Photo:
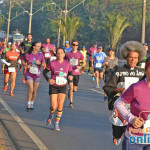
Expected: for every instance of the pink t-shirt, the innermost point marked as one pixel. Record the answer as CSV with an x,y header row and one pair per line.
x,y
138,95
74,59
35,72
91,51
59,70
47,47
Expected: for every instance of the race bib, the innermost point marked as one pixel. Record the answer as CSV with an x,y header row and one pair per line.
x,y
34,70
52,58
11,69
47,55
74,62
130,80
143,65
98,65
61,80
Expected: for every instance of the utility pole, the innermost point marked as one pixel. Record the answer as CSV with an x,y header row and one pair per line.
x,y
143,22
8,27
58,43
30,20
66,7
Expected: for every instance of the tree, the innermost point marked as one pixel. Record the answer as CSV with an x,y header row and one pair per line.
x,y
1,22
114,27
69,27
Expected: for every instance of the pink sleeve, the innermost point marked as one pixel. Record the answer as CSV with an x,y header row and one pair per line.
x,y
128,95
89,50
82,57
43,60
120,106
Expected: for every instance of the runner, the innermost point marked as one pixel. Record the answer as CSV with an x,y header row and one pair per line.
x,y
141,64
98,59
24,48
10,59
33,61
137,95
110,63
67,47
84,53
90,52
74,57
47,50
121,79
60,69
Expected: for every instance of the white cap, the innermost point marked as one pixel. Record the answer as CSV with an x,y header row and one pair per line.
x,y
9,43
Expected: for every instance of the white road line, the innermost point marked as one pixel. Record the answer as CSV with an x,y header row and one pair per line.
x,y
97,91
31,134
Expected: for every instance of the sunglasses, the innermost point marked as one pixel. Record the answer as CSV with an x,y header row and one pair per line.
x,y
74,45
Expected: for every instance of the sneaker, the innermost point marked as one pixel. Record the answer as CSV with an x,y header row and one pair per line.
x,y
28,107
5,87
93,78
56,126
48,120
11,93
31,107
105,99
97,86
82,71
116,141
24,81
71,105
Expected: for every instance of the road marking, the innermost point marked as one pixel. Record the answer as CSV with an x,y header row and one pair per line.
x,y
31,134
97,91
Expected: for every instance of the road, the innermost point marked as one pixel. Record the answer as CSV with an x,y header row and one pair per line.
x,y
85,127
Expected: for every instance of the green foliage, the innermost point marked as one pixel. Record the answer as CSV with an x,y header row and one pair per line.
x,y
1,22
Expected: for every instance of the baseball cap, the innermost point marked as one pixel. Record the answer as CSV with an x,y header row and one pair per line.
x,y
83,46
95,43
66,42
144,44
99,47
54,45
9,43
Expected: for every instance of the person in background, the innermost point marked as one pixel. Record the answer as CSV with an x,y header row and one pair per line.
x,y
67,47
84,53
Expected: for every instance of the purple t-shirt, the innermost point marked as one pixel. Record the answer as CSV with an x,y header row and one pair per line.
x,y
74,59
59,71
35,70
47,47
138,97
91,51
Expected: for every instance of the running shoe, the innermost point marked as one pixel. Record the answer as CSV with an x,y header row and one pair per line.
x,y
71,105
56,126
105,99
11,93
5,87
116,141
97,86
28,107
31,107
82,71
93,78
49,120
24,81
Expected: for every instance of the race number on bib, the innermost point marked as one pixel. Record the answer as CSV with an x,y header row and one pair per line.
x,y
52,58
47,55
130,80
11,69
34,70
61,80
74,62
98,65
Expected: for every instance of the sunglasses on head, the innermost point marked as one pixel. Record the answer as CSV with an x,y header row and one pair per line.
x,y
74,44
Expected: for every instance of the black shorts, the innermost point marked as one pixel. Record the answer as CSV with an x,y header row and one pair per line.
x,y
57,89
97,69
90,63
75,80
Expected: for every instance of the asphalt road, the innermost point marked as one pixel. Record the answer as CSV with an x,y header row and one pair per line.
x,y
85,127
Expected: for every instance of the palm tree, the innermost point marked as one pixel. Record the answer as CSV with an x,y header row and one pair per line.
x,y
69,27
114,26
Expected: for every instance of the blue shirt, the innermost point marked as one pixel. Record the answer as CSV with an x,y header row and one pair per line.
x,y
99,59
67,49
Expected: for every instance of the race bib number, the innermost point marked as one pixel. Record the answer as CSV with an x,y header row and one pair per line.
x,y
98,65
61,80
143,65
53,58
34,70
11,69
130,80
47,55
74,62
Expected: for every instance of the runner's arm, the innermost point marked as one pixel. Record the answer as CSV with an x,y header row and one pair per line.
x,y
45,71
